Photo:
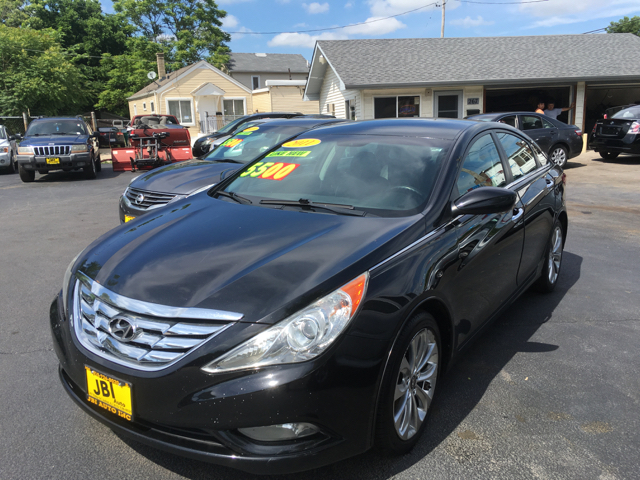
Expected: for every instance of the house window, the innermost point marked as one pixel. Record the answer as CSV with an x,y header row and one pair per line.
x,y
234,107
152,107
396,107
182,110
255,82
144,106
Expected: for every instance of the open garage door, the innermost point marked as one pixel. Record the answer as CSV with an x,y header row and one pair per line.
x,y
601,97
526,99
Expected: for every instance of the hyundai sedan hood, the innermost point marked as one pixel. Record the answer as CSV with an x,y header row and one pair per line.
x,y
184,177
208,253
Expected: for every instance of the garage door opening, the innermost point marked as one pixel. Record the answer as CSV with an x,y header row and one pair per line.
x,y
526,100
601,97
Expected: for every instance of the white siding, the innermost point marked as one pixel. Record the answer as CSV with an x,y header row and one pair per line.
x,y
330,94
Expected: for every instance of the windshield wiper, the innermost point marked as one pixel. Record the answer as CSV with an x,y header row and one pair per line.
x,y
227,160
331,207
233,196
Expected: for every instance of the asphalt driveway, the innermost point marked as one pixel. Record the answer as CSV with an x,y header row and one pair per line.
x,y
551,391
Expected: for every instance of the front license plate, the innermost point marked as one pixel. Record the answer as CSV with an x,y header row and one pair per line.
x,y
53,161
128,218
109,393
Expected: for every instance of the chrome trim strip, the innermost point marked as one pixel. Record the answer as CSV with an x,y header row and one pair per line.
x,y
155,309
409,247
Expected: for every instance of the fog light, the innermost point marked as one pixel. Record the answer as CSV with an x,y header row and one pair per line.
x,y
276,433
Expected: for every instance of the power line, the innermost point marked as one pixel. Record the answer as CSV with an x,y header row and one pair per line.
x,y
345,26
502,3
596,31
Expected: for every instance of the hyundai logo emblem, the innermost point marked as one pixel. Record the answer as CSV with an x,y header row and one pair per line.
x,y
139,199
122,329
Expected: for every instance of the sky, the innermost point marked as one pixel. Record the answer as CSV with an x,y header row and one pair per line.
x,y
463,18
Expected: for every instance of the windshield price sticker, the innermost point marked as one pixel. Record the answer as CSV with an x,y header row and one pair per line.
x,y
270,170
305,142
298,153
248,131
232,142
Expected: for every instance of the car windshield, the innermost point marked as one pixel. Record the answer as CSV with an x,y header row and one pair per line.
x,y
483,118
231,127
253,141
633,112
57,127
381,175
3,136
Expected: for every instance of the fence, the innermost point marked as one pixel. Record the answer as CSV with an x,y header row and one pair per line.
x,y
213,123
16,124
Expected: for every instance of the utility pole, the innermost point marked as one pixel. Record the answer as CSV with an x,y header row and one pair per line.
x,y
442,28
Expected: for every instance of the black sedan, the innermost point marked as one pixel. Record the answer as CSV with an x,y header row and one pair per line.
x,y
304,309
558,140
180,180
619,133
207,142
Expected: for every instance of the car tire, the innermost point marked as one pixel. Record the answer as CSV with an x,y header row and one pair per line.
x,y
405,400
559,155
552,261
90,170
13,165
98,164
26,176
609,155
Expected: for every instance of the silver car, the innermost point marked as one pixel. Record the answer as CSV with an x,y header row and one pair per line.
x,y
8,151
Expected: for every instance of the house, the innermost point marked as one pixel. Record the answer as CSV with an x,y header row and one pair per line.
x,y
283,96
204,98
254,69
456,77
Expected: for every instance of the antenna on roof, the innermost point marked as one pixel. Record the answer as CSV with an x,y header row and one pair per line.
x,y
152,75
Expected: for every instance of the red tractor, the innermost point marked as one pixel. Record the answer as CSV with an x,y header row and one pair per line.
x,y
154,140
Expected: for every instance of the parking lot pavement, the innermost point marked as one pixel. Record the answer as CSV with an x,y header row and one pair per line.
x,y
550,391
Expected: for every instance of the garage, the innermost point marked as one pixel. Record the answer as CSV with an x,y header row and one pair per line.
x,y
526,99
599,97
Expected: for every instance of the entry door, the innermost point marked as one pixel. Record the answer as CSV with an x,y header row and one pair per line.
x,y
448,104
207,109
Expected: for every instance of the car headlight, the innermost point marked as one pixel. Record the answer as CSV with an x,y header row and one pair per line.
x,y
4,149
66,280
300,337
79,148
25,150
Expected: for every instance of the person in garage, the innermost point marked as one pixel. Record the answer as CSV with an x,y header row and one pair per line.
x,y
553,112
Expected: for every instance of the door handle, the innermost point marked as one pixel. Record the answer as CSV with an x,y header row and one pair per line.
x,y
517,214
549,181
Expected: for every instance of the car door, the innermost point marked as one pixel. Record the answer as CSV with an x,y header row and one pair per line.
x,y
489,246
534,185
541,130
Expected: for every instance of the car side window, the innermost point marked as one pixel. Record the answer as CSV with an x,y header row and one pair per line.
x,y
510,120
547,124
530,122
519,154
481,167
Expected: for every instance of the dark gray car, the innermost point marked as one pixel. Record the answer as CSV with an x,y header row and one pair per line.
x,y
158,187
557,139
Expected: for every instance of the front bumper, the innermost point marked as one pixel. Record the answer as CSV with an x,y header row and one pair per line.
x,y
185,411
37,163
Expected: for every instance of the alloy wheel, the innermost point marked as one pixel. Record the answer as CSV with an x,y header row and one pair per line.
x,y
555,255
559,156
415,384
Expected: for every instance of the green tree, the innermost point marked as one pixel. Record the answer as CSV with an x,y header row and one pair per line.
x,y
625,25
127,74
12,12
190,28
37,75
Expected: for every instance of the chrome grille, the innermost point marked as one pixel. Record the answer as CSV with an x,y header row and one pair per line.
x,y
53,150
159,335
149,199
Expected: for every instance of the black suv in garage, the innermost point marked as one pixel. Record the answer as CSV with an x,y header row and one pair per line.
x,y
58,143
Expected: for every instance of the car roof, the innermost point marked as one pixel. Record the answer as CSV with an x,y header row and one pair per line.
x,y
499,114
447,129
299,121
56,118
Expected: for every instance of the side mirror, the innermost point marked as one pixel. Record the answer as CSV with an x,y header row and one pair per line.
x,y
17,136
484,200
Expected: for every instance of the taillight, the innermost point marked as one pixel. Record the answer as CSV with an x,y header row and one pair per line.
x,y
594,128
605,116
634,128
564,179
579,133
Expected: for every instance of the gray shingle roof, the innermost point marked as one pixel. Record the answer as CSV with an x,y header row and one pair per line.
x,y
272,62
483,59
